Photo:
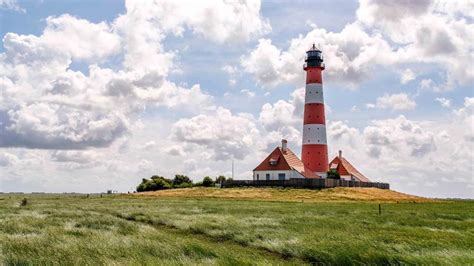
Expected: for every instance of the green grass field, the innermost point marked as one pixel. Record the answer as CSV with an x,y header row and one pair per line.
x,y
74,229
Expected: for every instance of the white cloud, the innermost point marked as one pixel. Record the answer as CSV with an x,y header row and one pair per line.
x,y
81,157
232,72
387,12
218,21
11,5
7,159
148,145
227,135
465,117
398,135
406,76
351,54
80,39
402,151
248,93
399,102
44,104
444,102
384,34
278,115
267,64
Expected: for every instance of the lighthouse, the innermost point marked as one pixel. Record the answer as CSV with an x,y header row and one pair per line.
x,y
283,164
314,153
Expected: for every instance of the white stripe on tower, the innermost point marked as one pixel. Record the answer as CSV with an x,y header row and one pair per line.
x,y
314,134
314,93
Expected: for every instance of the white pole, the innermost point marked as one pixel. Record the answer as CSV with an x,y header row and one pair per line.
x,y
232,169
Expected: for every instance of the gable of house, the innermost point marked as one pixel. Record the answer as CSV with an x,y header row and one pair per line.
x,y
344,167
284,160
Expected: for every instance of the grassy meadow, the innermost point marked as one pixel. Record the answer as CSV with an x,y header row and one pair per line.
x,y
178,230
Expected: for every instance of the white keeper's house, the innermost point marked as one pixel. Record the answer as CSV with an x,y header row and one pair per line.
x,y
283,164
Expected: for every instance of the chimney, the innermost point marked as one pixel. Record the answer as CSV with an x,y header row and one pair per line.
x,y
283,144
340,154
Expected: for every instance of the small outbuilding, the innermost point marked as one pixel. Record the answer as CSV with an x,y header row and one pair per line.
x,y
346,170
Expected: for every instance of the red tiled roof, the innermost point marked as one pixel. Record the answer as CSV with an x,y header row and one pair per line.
x,y
290,162
344,167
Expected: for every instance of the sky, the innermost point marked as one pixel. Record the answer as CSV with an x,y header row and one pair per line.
x,y
96,95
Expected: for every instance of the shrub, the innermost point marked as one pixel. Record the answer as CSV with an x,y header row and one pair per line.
x,y
181,179
220,179
333,174
207,182
23,202
154,183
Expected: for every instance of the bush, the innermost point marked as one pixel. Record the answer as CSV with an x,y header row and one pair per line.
x,y
179,180
220,179
154,183
333,174
207,182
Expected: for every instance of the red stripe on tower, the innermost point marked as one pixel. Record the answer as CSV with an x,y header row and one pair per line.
x,y
314,153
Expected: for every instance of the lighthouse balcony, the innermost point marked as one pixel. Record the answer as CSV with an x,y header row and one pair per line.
x,y
311,64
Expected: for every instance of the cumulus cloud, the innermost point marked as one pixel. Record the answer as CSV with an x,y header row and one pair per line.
x,y
226,134
45,104
11,5
385,33
81,157
399,102
248,93
465,117
444,102
398,135
145,25
8,159
351,54
84,41
74,159
406,76
371,11
232,72
218,21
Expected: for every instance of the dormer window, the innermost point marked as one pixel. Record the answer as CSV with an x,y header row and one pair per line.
x,y
274,160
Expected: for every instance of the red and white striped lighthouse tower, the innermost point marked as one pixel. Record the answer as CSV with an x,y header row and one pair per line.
x,y
314,153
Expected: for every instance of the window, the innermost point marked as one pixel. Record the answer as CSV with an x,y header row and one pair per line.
x,y
257,176
267,176
281,176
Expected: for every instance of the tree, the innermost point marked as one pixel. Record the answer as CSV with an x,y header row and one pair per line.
x,y
333,174
220,179
207,182
154,183
182,181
